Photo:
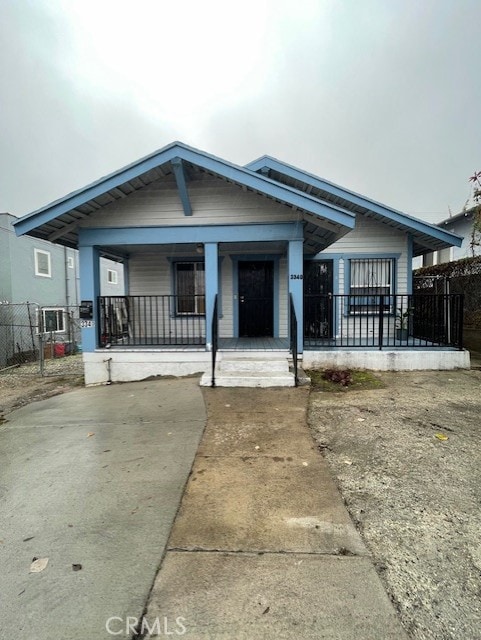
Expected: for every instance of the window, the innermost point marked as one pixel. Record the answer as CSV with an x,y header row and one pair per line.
x,y
190,287
111,276
42,263
70,262
52,321
369,279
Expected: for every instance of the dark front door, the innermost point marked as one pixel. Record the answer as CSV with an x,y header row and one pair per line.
x,y
318,301
256,298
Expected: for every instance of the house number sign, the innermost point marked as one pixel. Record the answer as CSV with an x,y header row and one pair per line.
x,y
296,276
87,324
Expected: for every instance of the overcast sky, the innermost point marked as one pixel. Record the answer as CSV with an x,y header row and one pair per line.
x,y
380,96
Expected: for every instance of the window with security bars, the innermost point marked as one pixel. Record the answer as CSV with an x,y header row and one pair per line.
x,y
190,288
371,278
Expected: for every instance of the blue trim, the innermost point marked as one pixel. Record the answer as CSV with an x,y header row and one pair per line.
x,y
187,234
211,251
295,266
126,264
89,259
391,214
277,309
372,256
348,255
336,271
179,173
236,258
409,284
235,173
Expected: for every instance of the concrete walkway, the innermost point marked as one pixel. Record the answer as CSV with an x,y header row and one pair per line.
x,y
94,478
262,546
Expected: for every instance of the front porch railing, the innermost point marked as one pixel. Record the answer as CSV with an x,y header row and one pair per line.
x,y
151,320
383,321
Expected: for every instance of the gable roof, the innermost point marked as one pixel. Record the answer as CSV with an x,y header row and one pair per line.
x,y
464,215
426,236
58,221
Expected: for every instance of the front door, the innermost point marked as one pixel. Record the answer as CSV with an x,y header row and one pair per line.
x,y
318,303
256,298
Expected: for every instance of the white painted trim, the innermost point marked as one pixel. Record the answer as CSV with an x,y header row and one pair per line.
x,y
112,276
36,253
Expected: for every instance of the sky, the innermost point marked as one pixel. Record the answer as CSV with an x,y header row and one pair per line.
x,y
380,96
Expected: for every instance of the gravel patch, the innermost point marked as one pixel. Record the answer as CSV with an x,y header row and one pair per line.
x,y
22,385
407,461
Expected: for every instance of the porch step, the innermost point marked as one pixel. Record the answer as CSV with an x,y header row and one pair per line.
x,y
234,365
250,371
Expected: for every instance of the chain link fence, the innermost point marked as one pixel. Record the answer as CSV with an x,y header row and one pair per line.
x,y
38,339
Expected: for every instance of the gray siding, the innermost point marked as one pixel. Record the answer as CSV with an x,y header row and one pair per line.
x,y
150,273
5,264
18,269
107,288
150,270
214,201
19,282
373,238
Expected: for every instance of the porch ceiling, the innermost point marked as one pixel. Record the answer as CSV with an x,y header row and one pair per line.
x,y
59,221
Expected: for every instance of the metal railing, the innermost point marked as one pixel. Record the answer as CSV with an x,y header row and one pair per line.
x,y
383,321
215,339
151,320
293,338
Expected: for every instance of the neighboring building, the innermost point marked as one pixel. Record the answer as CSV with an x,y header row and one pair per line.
x,y
46,275
226,258
38,271
34,270
462,225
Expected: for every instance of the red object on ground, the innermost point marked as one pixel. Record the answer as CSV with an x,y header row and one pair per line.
x,y
59,349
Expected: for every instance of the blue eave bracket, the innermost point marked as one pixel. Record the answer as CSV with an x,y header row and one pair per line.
x,y
180,178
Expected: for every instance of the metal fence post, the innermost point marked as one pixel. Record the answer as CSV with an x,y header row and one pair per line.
x,y
381,321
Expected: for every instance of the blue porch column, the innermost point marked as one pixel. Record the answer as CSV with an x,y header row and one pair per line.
x,y
211,255
295,276
89,258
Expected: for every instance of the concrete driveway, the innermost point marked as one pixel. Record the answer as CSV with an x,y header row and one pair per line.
x,y
91,478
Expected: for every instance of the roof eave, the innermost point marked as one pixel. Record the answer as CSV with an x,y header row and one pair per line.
x,y
240,175
405,221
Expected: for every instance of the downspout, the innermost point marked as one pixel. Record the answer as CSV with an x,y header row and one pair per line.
x,y
65,262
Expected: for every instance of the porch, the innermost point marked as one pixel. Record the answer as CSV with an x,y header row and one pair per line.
x,y
407,321
141,336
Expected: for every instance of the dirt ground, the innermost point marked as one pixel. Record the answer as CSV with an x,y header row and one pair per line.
x,y
22,385
408,463
407,460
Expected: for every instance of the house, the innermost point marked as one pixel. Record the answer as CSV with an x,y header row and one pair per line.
x,y
462,225
45,275
232,269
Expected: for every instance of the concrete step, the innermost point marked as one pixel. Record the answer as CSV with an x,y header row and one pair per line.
x,y
249,379
251,370
232,365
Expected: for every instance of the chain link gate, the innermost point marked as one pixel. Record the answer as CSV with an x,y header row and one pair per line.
x,y
43,340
